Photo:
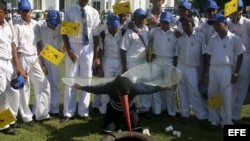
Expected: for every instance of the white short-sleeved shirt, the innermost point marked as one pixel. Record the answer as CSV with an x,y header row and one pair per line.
x,y
111,44
50,36
74,14
207,30
189,49
163,43
133,45
6,38
27,36
242,29
223,51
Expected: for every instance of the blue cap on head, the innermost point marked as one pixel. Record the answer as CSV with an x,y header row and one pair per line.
x,y
53,17
18,82
140,13
210,4
113,20
185,4
166,17
24,5
217,18
240,4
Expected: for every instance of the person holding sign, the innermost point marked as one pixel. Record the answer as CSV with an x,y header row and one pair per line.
x,y
225,54
79,57
240,26
10,66
27,38
50,34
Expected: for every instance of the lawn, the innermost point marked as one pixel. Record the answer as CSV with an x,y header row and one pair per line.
x,y
79,130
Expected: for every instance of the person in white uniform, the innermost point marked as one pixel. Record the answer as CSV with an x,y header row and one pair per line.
x,y
225,54
79,57
240,26
163,47
109,43
190,49
9,97
134,48
50,34
27,39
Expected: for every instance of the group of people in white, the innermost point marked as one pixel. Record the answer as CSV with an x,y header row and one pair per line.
x,y
214,52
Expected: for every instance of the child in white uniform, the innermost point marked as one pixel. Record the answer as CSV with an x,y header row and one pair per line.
x,y
163,48
27,39
222,50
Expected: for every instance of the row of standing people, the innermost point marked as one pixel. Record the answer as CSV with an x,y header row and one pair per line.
x,y
82,54
186,45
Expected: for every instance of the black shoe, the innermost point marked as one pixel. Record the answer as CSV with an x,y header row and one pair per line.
x,y
56,115
86,118
31,123
185,120
16,125
65,119
9,131
146,115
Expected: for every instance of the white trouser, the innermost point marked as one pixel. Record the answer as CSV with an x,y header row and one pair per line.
x,y
9,97
54,79
41,90
189,93
111,67
83,69
165,99
220,82
142,101
240,87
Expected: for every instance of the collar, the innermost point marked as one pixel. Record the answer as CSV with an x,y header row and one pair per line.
x,y
193,34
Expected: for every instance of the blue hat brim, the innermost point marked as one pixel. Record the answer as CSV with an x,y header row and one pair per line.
x,y
54,21
18,82
114,24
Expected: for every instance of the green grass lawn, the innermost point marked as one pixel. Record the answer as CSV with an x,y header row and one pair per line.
x,y
79,130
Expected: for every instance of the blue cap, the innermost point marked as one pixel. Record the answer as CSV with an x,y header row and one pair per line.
x,y
24,5
210,4
166,17
140,13
18,82
185,4
113,20
53,17
240,4
217,18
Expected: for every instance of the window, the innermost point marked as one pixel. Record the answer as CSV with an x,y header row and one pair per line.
x,y
37,4
107,5
97,5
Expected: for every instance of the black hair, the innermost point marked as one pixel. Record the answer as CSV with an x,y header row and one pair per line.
x,y
3,5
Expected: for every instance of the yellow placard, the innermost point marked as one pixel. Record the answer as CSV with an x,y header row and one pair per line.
x,y
52,54
215,101
123,7
231,7
6,117
70,28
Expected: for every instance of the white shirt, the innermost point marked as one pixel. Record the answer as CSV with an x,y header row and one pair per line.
x,y
74,14
207,30
133,45
111,44
223,51
27,36
7,36
242,29
163,43
52,37
189,49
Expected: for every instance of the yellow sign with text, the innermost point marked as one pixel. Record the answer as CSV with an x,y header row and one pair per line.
x,y
215,101
6,117
123,7
52,54
231,7
70,28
